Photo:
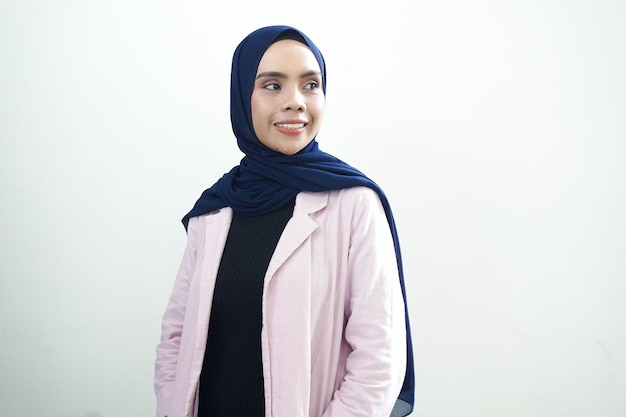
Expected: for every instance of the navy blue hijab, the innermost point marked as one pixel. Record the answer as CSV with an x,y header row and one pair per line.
x,y
266,180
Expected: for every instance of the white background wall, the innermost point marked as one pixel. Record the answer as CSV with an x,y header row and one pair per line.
x,y
495,127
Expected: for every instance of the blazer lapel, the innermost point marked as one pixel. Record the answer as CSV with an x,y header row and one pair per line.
x,y
298,229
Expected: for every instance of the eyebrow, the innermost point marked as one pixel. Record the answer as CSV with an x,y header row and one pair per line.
x,y
277,74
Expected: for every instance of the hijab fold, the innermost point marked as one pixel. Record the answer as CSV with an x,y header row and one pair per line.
x,y
265,179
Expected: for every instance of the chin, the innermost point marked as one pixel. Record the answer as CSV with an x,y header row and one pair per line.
x,y
291,150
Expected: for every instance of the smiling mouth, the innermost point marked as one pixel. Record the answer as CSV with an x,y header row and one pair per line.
x,y
290,125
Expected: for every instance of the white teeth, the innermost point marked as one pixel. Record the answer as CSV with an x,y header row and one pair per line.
x,y
290,125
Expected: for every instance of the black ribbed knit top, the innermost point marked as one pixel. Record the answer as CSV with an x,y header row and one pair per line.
x,y
231,381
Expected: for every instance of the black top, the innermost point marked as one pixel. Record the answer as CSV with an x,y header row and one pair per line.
x,y
231,381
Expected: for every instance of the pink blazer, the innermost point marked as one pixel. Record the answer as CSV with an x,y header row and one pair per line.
x,y
333,339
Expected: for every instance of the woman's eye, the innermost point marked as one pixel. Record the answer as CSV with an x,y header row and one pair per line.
x,y
272,86
312,85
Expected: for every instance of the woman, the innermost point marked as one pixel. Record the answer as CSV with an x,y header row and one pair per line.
x,y
290,299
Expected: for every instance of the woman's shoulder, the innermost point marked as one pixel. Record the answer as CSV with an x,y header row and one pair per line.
x,y
354,201
358,194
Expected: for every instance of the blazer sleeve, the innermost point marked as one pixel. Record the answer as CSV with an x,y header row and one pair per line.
x,y
375,320
172,324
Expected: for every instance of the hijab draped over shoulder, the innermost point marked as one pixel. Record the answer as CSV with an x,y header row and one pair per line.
x,y
265,179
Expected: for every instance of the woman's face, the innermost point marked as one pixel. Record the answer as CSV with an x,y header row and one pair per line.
x,y
287,100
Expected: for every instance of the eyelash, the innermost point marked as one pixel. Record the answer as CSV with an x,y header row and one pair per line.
x,y
315,85
270,86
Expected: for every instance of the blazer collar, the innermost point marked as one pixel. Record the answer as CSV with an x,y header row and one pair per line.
x,y
299,227
297,230
310,202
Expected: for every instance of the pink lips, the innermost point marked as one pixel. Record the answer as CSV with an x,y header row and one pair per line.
x,y
291,127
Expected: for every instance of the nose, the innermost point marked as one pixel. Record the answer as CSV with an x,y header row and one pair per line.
x,y
294,100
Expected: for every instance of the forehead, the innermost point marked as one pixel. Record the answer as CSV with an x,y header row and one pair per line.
x,y
288,54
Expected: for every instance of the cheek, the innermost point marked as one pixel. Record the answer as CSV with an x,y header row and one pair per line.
x,y
319,107
261,117
258,114
261,106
